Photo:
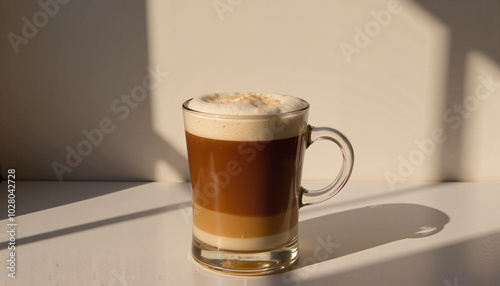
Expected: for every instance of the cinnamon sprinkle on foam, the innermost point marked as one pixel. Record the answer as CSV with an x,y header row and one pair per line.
x,y
256,99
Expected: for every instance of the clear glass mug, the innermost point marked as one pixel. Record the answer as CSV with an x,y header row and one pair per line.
x,y
245,179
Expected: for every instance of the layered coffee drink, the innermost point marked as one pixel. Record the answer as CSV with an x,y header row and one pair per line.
x,y
245,154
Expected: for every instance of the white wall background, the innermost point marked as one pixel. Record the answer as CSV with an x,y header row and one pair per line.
x,y
415,85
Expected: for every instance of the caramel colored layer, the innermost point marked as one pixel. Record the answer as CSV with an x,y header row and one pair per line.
x,y
227,225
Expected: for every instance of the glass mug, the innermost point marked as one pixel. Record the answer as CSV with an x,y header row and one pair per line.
x,y
245,180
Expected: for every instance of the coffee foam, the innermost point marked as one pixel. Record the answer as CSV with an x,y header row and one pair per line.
x,y
257,117
236,103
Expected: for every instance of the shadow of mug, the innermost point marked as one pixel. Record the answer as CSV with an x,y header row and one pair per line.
x,y
339,234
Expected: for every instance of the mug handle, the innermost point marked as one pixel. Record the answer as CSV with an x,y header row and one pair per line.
x,y
311,197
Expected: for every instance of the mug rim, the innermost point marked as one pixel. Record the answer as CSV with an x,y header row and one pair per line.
x,y
186,108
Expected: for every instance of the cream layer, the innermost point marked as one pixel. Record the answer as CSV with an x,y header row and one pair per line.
x,y
246,244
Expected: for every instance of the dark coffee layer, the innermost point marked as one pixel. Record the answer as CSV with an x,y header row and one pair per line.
x,y
245,178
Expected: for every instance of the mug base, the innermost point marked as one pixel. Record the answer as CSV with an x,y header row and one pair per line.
x,y
245,262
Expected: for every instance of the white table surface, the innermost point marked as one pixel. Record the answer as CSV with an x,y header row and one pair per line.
x,y
126,233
